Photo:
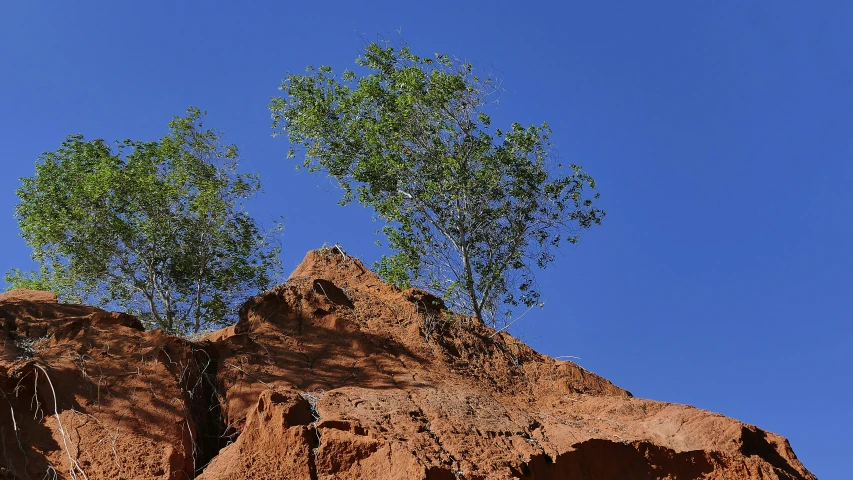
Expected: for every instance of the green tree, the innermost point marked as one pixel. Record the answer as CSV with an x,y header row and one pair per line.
x,y
470,209
158,228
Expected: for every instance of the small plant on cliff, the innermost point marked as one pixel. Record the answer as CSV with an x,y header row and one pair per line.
x,y
155,227
470,209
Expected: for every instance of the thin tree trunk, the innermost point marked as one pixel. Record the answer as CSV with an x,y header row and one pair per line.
x,y
466,260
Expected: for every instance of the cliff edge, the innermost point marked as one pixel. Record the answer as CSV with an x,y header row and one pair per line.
x,y
336,375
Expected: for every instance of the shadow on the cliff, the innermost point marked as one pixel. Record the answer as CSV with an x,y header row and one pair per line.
x,y
599,459
755,443
36,319
309,353
104,385
20,435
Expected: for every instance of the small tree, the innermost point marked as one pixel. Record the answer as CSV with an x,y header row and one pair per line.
x,y
469,209
155,227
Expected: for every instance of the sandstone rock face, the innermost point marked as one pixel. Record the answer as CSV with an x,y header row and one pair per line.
x,y
336,375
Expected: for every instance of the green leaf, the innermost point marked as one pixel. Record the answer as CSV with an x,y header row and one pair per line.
x,y
469,211
157,228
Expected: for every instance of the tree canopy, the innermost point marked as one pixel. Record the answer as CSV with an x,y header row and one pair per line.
x,y
156,227
470,210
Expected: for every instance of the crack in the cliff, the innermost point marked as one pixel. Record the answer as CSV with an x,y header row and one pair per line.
x,y
455,465
203,406
312,463
312,399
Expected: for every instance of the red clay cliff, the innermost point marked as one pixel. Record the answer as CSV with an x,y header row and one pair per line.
x,y
336,375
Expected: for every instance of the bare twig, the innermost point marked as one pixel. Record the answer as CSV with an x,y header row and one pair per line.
x,y
517,319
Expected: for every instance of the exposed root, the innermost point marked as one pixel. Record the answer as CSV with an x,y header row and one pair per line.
x,y
17,438
74,467
248,374
312,399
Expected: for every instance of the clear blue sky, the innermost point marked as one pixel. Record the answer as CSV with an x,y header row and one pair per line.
x,y
719,134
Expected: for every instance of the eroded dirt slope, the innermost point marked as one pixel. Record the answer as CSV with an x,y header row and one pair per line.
x,y
336,375
86,393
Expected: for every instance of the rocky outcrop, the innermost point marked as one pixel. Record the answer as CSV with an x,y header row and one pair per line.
x,y
336,375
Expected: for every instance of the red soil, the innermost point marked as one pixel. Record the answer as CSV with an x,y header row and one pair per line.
x,y
336,375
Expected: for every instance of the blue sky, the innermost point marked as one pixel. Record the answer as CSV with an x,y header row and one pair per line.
x,y
718,133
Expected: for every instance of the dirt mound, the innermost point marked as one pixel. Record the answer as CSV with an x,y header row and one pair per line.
x,y
336,375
